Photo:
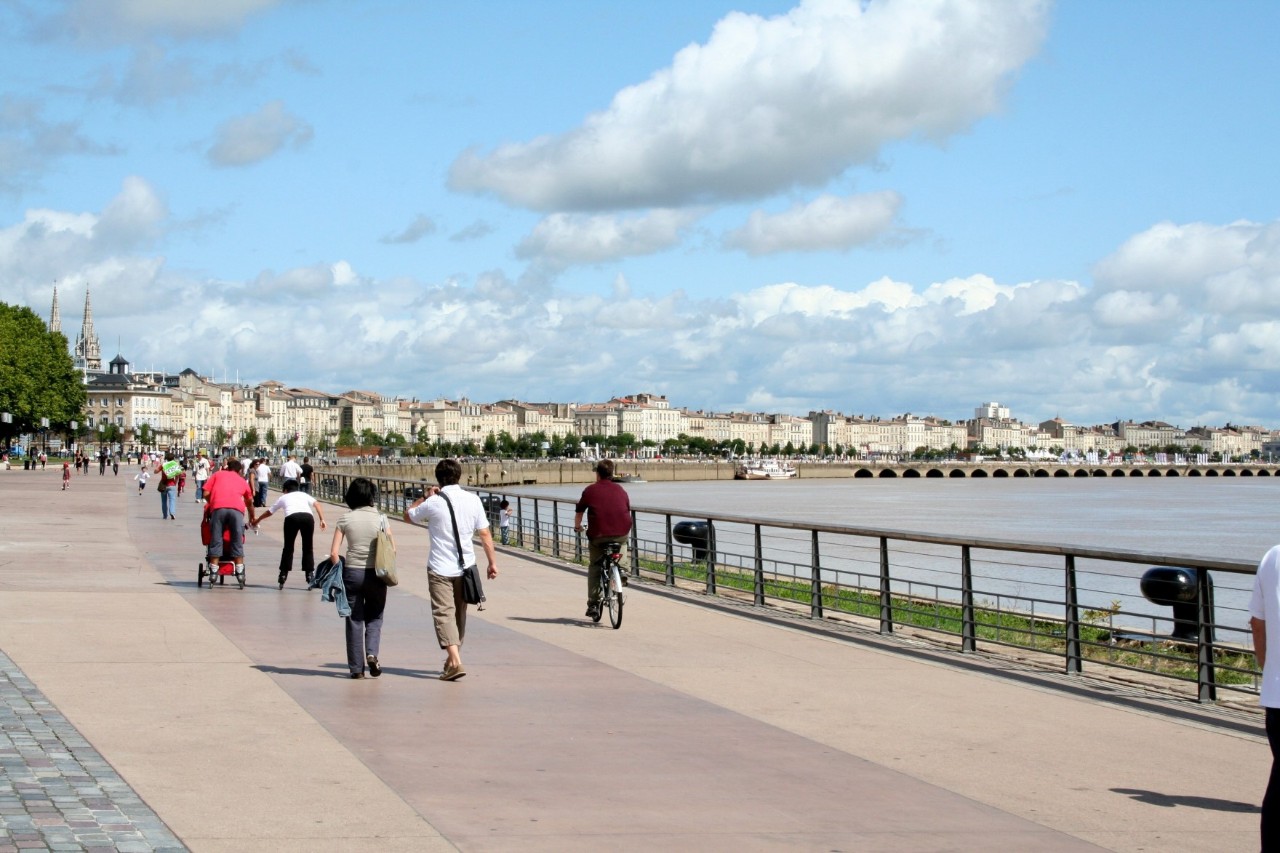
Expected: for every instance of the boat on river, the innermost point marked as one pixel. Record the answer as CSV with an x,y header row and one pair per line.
x,y
764,469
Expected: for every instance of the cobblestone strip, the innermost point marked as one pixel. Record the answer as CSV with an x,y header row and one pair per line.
x,y
56,791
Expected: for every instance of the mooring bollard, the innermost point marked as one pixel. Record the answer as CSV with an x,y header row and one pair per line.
x,y
695,534
1174,587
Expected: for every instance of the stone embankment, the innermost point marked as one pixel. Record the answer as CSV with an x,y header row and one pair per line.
x,y
511,472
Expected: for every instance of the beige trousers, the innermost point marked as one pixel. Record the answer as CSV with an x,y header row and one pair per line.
x,y
448,609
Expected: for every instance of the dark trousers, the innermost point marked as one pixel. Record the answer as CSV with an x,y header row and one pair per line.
x,y
1271,801
295,523
368,598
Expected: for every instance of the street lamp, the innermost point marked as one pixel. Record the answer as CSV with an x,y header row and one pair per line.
x,y
75,426
44,435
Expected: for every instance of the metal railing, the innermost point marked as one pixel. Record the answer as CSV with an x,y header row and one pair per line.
x,y
1080,606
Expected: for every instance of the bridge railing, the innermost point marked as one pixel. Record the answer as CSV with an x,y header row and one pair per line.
x,y
1073,608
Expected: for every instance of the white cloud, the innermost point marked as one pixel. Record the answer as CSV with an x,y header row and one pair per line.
x,y
563,240
248,139
421,226
101,21
770,103
826,223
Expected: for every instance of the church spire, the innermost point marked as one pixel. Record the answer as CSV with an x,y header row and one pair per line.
x,y
88,356
55,319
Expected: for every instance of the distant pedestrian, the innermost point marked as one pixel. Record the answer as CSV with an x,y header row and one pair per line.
x,y
202,474
264,481
304,480
66,475
142,477
504,520
115,466
168,487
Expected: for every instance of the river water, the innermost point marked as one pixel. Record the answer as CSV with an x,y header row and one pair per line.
x,y
1231,518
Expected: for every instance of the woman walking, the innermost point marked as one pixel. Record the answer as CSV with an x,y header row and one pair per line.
x,y
366,594
168,489
453,516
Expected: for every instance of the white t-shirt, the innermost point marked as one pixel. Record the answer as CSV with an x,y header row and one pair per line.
x,y
290,470
1264,604
443,559
292,502
264,473
202,469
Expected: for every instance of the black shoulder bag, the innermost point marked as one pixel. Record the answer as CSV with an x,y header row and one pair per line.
x,y
472,590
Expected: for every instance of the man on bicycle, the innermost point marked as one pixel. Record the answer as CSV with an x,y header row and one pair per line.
x,y
608,512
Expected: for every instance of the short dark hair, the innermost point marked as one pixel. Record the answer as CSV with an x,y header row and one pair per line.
x,y
448,472
504,504
604,469
290,485
234,464
361,492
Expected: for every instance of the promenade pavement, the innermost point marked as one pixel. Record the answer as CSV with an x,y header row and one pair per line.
x,y
143,713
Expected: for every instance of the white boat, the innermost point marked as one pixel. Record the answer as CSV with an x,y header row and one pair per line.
x,y
764,469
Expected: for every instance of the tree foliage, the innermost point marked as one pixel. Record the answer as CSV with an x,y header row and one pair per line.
x,y
37,377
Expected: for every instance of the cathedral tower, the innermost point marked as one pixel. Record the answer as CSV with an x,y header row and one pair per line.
x,y
55,319
88,355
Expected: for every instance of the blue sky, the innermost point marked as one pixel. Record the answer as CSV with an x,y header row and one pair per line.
x,y
875,208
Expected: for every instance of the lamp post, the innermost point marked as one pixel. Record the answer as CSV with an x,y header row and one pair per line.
x,y
75,426
44,436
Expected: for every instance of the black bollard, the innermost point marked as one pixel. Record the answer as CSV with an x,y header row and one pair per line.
x,y
1174,587
695,534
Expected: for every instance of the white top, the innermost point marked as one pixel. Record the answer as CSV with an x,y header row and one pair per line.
x,y
202,468
264,473
1264,604
290,470
292,502
443,559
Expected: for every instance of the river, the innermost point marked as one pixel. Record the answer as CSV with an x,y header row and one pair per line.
x,y
1218,518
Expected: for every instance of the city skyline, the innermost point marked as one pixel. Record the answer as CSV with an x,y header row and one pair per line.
x,y
767,206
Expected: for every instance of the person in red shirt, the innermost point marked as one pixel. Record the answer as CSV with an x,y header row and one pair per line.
x,y
608,511
227,499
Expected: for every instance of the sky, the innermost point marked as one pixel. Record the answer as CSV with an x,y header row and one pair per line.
x,y
873,207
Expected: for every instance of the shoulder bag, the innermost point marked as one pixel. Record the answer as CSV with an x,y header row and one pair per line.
x,y
384,555
472,589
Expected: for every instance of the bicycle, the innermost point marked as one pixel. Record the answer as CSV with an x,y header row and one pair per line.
x,y
611,583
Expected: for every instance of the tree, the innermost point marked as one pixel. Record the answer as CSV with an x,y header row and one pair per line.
x,y
220,438
271,438
394,439
347,438
145,436
369,437
249,438
37,377
491,444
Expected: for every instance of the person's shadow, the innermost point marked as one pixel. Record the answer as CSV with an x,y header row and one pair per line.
x,y
338,670
559,620
1169,801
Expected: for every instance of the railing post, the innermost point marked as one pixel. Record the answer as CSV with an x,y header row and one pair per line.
x,y
759,568
519,521
670,579
969,629
555,529
711,557
1075,663
635,543
815,578
886,596
537,528
1205,677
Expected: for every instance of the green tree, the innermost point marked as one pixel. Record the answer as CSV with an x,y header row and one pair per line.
x,y
271,438
347,438
145,435
491,444
249,438
394,439
37,377
220,438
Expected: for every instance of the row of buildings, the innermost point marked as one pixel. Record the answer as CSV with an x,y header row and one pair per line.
x,y
187,411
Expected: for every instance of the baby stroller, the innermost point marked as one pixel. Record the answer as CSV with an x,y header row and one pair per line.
x,y
226,567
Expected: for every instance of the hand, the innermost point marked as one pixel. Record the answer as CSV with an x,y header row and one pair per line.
x,y
323,525
493,571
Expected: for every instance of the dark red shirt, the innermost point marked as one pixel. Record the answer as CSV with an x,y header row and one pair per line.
x,y
608,509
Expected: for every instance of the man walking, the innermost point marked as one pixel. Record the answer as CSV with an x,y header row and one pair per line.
x,y
608,510
1264,613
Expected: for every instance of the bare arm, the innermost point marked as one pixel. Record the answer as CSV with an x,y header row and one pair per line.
x,y
490,553
335,545
577,521
315,505
1259,627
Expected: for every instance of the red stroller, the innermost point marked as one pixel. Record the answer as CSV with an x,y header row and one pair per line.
x,y
226,567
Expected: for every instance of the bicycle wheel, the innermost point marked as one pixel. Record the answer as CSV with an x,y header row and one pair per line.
x,y
614,601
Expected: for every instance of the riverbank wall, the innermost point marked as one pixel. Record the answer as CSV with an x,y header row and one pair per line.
x,y
511,472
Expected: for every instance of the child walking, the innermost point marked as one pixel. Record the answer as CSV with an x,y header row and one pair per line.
x,y
66,475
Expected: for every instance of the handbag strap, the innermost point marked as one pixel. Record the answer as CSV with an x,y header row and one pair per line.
x,y
457,540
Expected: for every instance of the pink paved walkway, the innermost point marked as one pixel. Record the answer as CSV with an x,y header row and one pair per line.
x,y
230,713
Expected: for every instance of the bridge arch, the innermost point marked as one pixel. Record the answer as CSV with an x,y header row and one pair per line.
x,y
1062,472
889,473
978,473
957,472
911,474
934,472
862,474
